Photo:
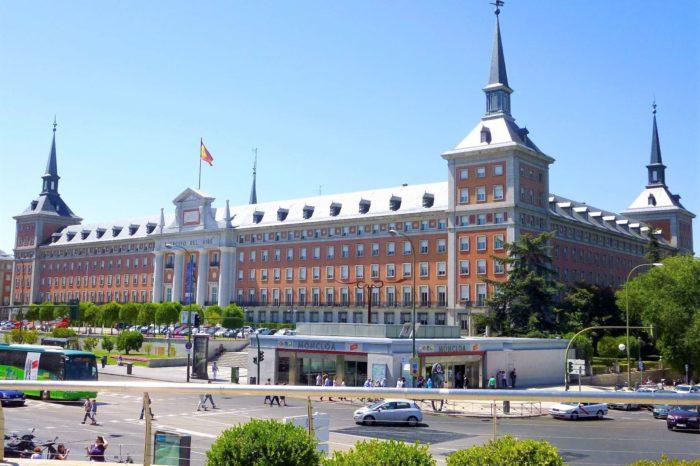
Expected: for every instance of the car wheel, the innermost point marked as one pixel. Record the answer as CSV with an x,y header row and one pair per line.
x,y
368,420
599,414
574,416
412,421
45,395
669,427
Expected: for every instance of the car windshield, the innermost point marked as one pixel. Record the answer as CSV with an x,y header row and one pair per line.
x,y
685,408
81,368
376,405
570,403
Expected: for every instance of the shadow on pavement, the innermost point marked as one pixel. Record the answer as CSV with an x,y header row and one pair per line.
x,y
420,434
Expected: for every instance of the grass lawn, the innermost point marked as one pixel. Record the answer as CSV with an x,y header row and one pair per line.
x,y
112,357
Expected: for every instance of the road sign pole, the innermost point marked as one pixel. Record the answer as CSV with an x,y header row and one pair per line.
x,y
579,378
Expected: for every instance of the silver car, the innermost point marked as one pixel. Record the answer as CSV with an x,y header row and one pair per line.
x,y
390,410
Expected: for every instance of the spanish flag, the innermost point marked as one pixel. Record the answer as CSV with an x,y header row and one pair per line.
x,y
204,153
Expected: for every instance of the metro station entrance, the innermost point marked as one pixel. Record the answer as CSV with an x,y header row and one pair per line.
x,y
449,371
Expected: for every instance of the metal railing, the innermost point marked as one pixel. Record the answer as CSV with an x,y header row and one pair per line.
x,y
530,399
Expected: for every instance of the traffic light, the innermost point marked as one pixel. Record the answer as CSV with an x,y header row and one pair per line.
x,y
197,319
261,356
571,367
255,361
74,309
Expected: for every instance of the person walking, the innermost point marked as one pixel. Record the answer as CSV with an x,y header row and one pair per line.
x,y
87,407
465,382
268,397
283,398
492,382
400,382
93,412
150,412
202,402
208,396
214,369
429,383
513,376
319,380
328,383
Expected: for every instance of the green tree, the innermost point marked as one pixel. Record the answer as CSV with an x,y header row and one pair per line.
x,y
91,313
90,343
186,309
264,442
109,315
583,344
129,312
46,311
381,453
32,313
586,305
107,344
212,314
60,311
129,340
654,253
607,347
147,314
508,451
524,304
168,313
232,316
28,337
668,298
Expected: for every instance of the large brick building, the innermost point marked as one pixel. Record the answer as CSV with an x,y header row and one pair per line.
x,y
300,260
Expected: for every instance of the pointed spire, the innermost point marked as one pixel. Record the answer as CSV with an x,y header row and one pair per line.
x,y
498,74
253,192
497,90
50,177
656,168
227,216
162,220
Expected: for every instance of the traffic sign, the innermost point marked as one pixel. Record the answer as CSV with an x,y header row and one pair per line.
x,y
576,366
188,345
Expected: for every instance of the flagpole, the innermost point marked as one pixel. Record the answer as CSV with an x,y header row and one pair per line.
x,y
199,183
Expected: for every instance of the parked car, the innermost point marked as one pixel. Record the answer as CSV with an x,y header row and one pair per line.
x,y
660,411
574,411
390,410
683,417
282,331
684,388
12,398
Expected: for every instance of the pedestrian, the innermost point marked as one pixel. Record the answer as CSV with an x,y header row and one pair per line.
x,y
283,398
465,382
96,451
513,376
119,360
87,407
268,397
143,410
61,452
319,380
37,455
214,369
93,412
459,380
210,398
328,383
342,384
504,380
400,382
202,402
419,382
429,383
492,382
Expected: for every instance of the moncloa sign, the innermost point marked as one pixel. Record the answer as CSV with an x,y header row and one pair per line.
x,y
448,348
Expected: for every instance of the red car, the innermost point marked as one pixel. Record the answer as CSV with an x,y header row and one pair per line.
x,y
63,323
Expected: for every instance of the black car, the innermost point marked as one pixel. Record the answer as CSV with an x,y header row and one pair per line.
x,y
11,397
683,418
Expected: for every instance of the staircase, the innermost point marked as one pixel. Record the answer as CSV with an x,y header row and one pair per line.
x,y
232,359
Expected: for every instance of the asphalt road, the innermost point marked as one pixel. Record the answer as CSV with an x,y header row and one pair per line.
x,y
620,439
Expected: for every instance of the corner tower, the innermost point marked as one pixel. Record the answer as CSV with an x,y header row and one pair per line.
x,y
657,206
46,215
498,188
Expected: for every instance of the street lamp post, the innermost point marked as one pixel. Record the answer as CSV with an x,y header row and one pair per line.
x,y
627,316
188,302
413,295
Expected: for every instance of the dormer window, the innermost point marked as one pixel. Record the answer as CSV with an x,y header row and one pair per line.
x,y
395,203
100,232
282,214
485,135
70,235
364,206
55,237
150,228
428,200
84,234
335,209
308,211
116,231
34,204
651,200
258,216
133,229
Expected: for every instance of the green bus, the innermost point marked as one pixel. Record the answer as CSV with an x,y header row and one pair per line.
x,y
36,362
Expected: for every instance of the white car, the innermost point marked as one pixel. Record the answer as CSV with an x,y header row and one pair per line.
x,y
687,388
573,410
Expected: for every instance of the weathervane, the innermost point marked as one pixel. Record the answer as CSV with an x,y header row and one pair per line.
x,y
653,107
498,4
54,123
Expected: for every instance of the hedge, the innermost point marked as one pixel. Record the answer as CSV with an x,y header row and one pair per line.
x,y
665,461
382,453
508,451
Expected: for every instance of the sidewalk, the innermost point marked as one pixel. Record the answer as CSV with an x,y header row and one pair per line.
x,y
518,409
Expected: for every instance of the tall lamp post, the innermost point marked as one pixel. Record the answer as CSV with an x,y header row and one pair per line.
x,y
188,301
413,274
627,316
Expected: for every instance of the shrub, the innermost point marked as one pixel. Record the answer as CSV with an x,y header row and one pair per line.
x,y
383,453
7,338
232,316
172,352
148,348
607,347
264,442
63,333
107,344
665,461
507,451
129,340
18,335
167,313
90,343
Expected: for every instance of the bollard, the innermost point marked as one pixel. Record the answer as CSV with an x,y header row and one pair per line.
x,y
495,429
129,367
234,375
310,416
147,433
506,407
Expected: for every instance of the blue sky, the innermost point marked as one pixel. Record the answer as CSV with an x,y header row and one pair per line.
x,y
346,95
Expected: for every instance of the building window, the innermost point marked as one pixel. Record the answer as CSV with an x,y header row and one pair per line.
x,y
481,294
374,271
497,170
423,268
498,242
360,250
464,267
464,243
359,271
390,248
481,243
481,172
481,194
498,192
422,318
464,220
390,271
313,316
441,246
343,317
464,174
329,272
440,318
406,270
406,248
375,249
424,294
405,317
499,217
481,219
317,252
441,296
441,269
407,296
345,251
423,248
302,273
498,267
464,195
481,267
464,293
389,318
